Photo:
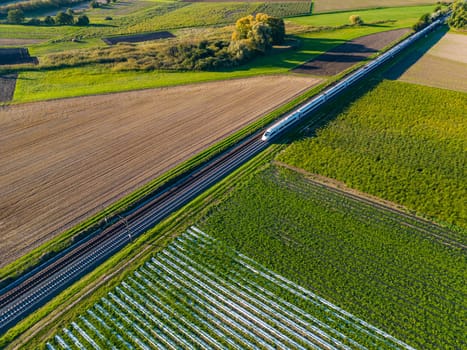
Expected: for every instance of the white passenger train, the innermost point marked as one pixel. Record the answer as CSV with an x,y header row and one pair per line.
x,y
317,101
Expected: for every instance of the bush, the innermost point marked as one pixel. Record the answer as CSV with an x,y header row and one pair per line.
x,y
64,18
15,16
49,21
82,20
356,20
34,22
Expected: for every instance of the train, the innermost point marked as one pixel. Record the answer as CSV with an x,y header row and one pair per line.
x,y
293,117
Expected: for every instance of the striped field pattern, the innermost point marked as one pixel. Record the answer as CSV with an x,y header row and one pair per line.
x,y
200,294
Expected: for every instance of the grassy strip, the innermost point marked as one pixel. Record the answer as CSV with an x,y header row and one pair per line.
x,y
24,335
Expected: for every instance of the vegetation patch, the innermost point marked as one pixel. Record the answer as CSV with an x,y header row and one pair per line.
x,y
401,142
394,271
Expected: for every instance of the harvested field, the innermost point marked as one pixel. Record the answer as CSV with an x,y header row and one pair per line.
x,y
16,56
7,87
444,65
138,38
19,42
346,55
320,6
63,160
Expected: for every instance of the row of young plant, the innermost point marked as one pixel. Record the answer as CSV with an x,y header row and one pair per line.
x,y
197,293
390,273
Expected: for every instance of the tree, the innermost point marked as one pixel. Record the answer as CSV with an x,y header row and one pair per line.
x,y
82,20
356,20
260,35
64,18
49,21
458,17
262,30
15,16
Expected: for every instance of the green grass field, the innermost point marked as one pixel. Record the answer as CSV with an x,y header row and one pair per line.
x,y
320,6
401,142
384,268
406,15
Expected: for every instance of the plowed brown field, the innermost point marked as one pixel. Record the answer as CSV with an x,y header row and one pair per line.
x,y
62,160
443,66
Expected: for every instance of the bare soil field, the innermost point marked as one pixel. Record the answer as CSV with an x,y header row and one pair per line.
x,y
444,65
16,55
19,42
321,6
138,38
346,55
63,160
7,87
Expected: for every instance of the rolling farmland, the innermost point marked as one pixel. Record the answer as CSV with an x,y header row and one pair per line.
x,y
63,160
447,63
198,293
399,273
402,142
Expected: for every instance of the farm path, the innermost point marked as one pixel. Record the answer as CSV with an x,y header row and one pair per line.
x,y
63,160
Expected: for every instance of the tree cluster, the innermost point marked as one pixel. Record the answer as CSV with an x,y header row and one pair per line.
x,y
458,17
428,18
16,16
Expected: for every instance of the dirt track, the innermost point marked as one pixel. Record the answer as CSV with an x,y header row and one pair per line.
x,y
63,160
346,55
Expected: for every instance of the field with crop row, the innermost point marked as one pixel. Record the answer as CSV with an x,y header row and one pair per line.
x,y
399,273
402,142
198,293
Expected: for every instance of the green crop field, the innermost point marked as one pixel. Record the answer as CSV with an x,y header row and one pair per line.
x,y
339,5
401,142
403,275
408,15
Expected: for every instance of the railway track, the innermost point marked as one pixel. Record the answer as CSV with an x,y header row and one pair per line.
x,y
27,295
